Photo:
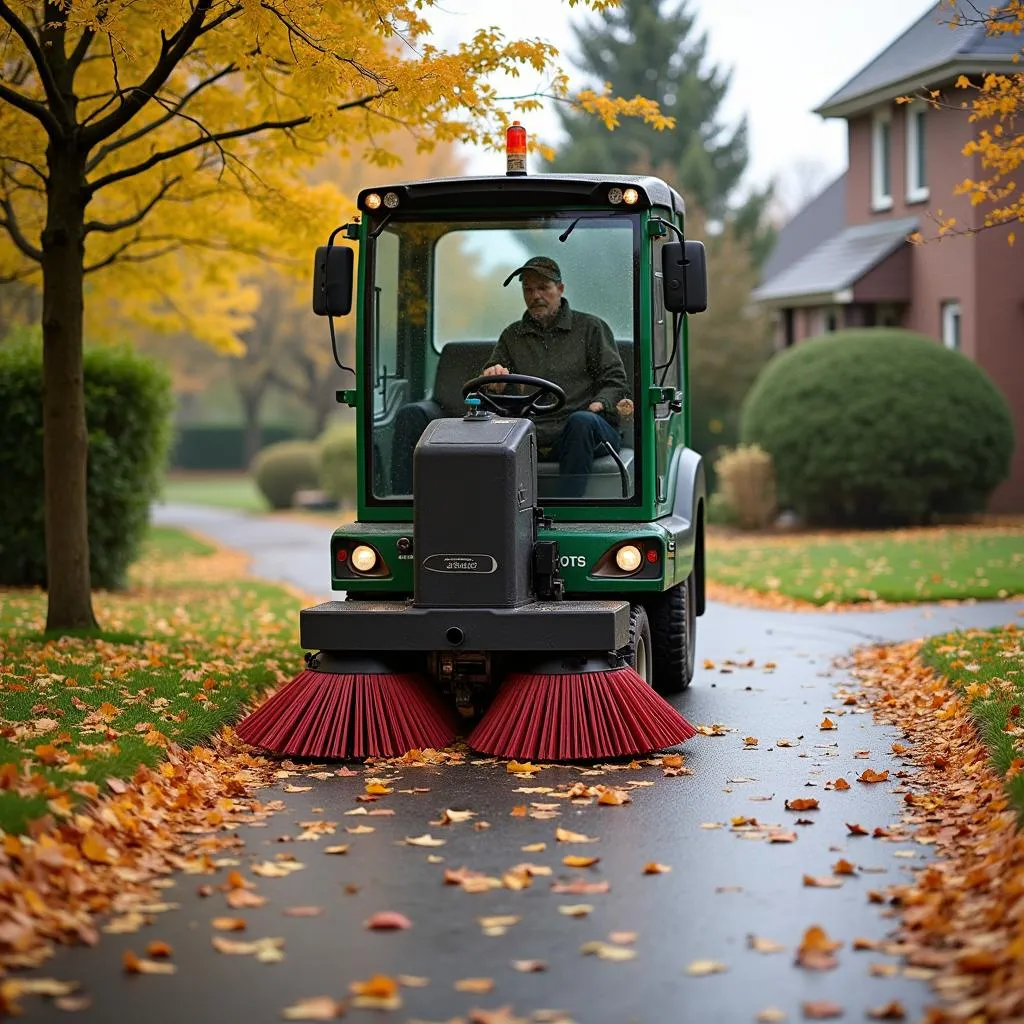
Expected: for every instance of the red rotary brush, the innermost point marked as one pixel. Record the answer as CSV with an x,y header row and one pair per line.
x,y
580,716
343,708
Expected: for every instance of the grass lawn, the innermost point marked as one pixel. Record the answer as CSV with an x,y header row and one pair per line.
x,y
223,491
905,565
987,668
182,651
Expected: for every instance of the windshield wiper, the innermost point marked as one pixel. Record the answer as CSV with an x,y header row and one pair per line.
x,y
569,230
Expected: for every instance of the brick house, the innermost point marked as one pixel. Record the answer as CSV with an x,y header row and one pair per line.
x,y
844,260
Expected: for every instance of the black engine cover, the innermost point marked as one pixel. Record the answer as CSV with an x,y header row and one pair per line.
x,y
474,495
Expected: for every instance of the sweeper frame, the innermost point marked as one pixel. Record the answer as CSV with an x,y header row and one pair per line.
x,y
480,574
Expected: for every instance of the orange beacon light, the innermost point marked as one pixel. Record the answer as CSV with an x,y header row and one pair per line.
x,y
515,149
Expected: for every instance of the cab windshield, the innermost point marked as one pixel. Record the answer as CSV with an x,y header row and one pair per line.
x,y
440,314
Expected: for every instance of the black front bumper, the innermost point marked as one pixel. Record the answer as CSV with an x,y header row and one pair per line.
x,y
381,626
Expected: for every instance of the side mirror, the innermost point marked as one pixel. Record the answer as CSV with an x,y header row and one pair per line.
x,y
685,269
332,280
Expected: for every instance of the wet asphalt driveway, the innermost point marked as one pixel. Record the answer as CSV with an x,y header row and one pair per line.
x,y
724,885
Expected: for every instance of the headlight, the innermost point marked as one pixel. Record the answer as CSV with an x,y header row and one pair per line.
x,y
364,558
628,558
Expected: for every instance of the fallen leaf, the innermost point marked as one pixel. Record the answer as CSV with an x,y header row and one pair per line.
x,y
387,920
377,993
337,849
521,768
563,835
534,848
700,968
425,840
607,951
291,788
654,868
239,898
575,861
412,981
580,887
450,817
575,909
892,1010
816,950
872,776
613,797
623,938
377,788
771,1015
760,945
750,741
823,881
229,924
479,986
314,1008
802,804
276,869
96,850
827,724
303,911
134,965
821,1009
856,830
840,784
159,950
782,837
360,830
843,867
529,966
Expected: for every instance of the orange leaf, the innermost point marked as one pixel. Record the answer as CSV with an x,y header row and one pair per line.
x,y
822,882
387,920
891,1011
872,776
827,723
803,804
95,849
613,797
479,986
750,741
572,861
654,868
843,867
158,949
229,924
821,1009
840,784
856,830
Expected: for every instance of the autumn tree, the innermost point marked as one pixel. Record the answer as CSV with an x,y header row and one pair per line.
x,y
135,132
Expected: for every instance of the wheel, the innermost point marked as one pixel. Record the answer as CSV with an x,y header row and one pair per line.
x,y
639,649
673,618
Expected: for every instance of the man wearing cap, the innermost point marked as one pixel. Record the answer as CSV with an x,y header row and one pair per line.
x,y
576,351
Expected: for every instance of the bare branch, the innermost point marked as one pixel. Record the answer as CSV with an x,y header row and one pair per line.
x,y
135,218
172,50
33,107
57,107
10,222
4,158
172,111
216,138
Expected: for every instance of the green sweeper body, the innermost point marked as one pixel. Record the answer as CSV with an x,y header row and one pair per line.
x,y
474,560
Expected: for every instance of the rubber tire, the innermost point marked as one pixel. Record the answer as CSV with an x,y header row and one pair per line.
x,y
673,618
639,635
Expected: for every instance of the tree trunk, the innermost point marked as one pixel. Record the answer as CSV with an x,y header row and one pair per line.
x,y
253,437
65,439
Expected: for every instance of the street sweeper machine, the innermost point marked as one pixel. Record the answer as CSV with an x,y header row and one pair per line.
x,y
527,559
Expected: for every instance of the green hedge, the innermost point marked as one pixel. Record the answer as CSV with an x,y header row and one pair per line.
x,y
879,427
338,464
219,446
128,413
284,468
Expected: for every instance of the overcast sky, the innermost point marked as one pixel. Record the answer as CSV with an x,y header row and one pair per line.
x,y
787,56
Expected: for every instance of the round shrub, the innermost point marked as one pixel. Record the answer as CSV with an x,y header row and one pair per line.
x,y
879,427
128,408
338,464
286,467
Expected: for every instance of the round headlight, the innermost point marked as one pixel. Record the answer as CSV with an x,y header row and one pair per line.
x,y
615,196
630,196
372,201
390,200
364,558
628,558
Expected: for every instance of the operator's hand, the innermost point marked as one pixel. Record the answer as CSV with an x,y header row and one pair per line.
x,y
624,407
495,370
596,406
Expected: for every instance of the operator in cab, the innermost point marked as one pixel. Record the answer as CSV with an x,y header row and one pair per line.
x,y
576,351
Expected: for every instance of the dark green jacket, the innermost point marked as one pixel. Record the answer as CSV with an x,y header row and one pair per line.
x,y
577,352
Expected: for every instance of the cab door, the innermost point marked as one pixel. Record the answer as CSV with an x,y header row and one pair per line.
x,y
667,421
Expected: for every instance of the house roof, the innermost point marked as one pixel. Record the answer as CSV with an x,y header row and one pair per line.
x,y
823,217
834,266
927,54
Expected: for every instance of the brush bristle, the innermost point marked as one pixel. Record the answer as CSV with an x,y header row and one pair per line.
x,y
333,715
580,717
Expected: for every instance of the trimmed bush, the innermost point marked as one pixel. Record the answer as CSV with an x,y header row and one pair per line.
x,y
128,407
338,464
284,468
219,446
746,480
879,427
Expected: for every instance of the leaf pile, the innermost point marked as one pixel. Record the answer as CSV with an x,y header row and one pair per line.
x,y
963,915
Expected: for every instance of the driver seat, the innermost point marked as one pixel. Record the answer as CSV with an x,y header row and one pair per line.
x,y
460,361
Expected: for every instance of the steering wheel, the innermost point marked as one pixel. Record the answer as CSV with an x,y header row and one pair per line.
x,y
516,405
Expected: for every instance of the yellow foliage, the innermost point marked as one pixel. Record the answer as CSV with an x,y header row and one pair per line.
x,y
997,106
192,128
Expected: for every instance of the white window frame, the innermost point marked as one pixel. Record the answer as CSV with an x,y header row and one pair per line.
x,y
880,200
952,325
917,191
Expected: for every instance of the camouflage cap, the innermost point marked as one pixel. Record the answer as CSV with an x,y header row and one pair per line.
x,y
543,265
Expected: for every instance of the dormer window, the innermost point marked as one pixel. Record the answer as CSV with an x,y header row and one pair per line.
x,y
881,160
917,174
